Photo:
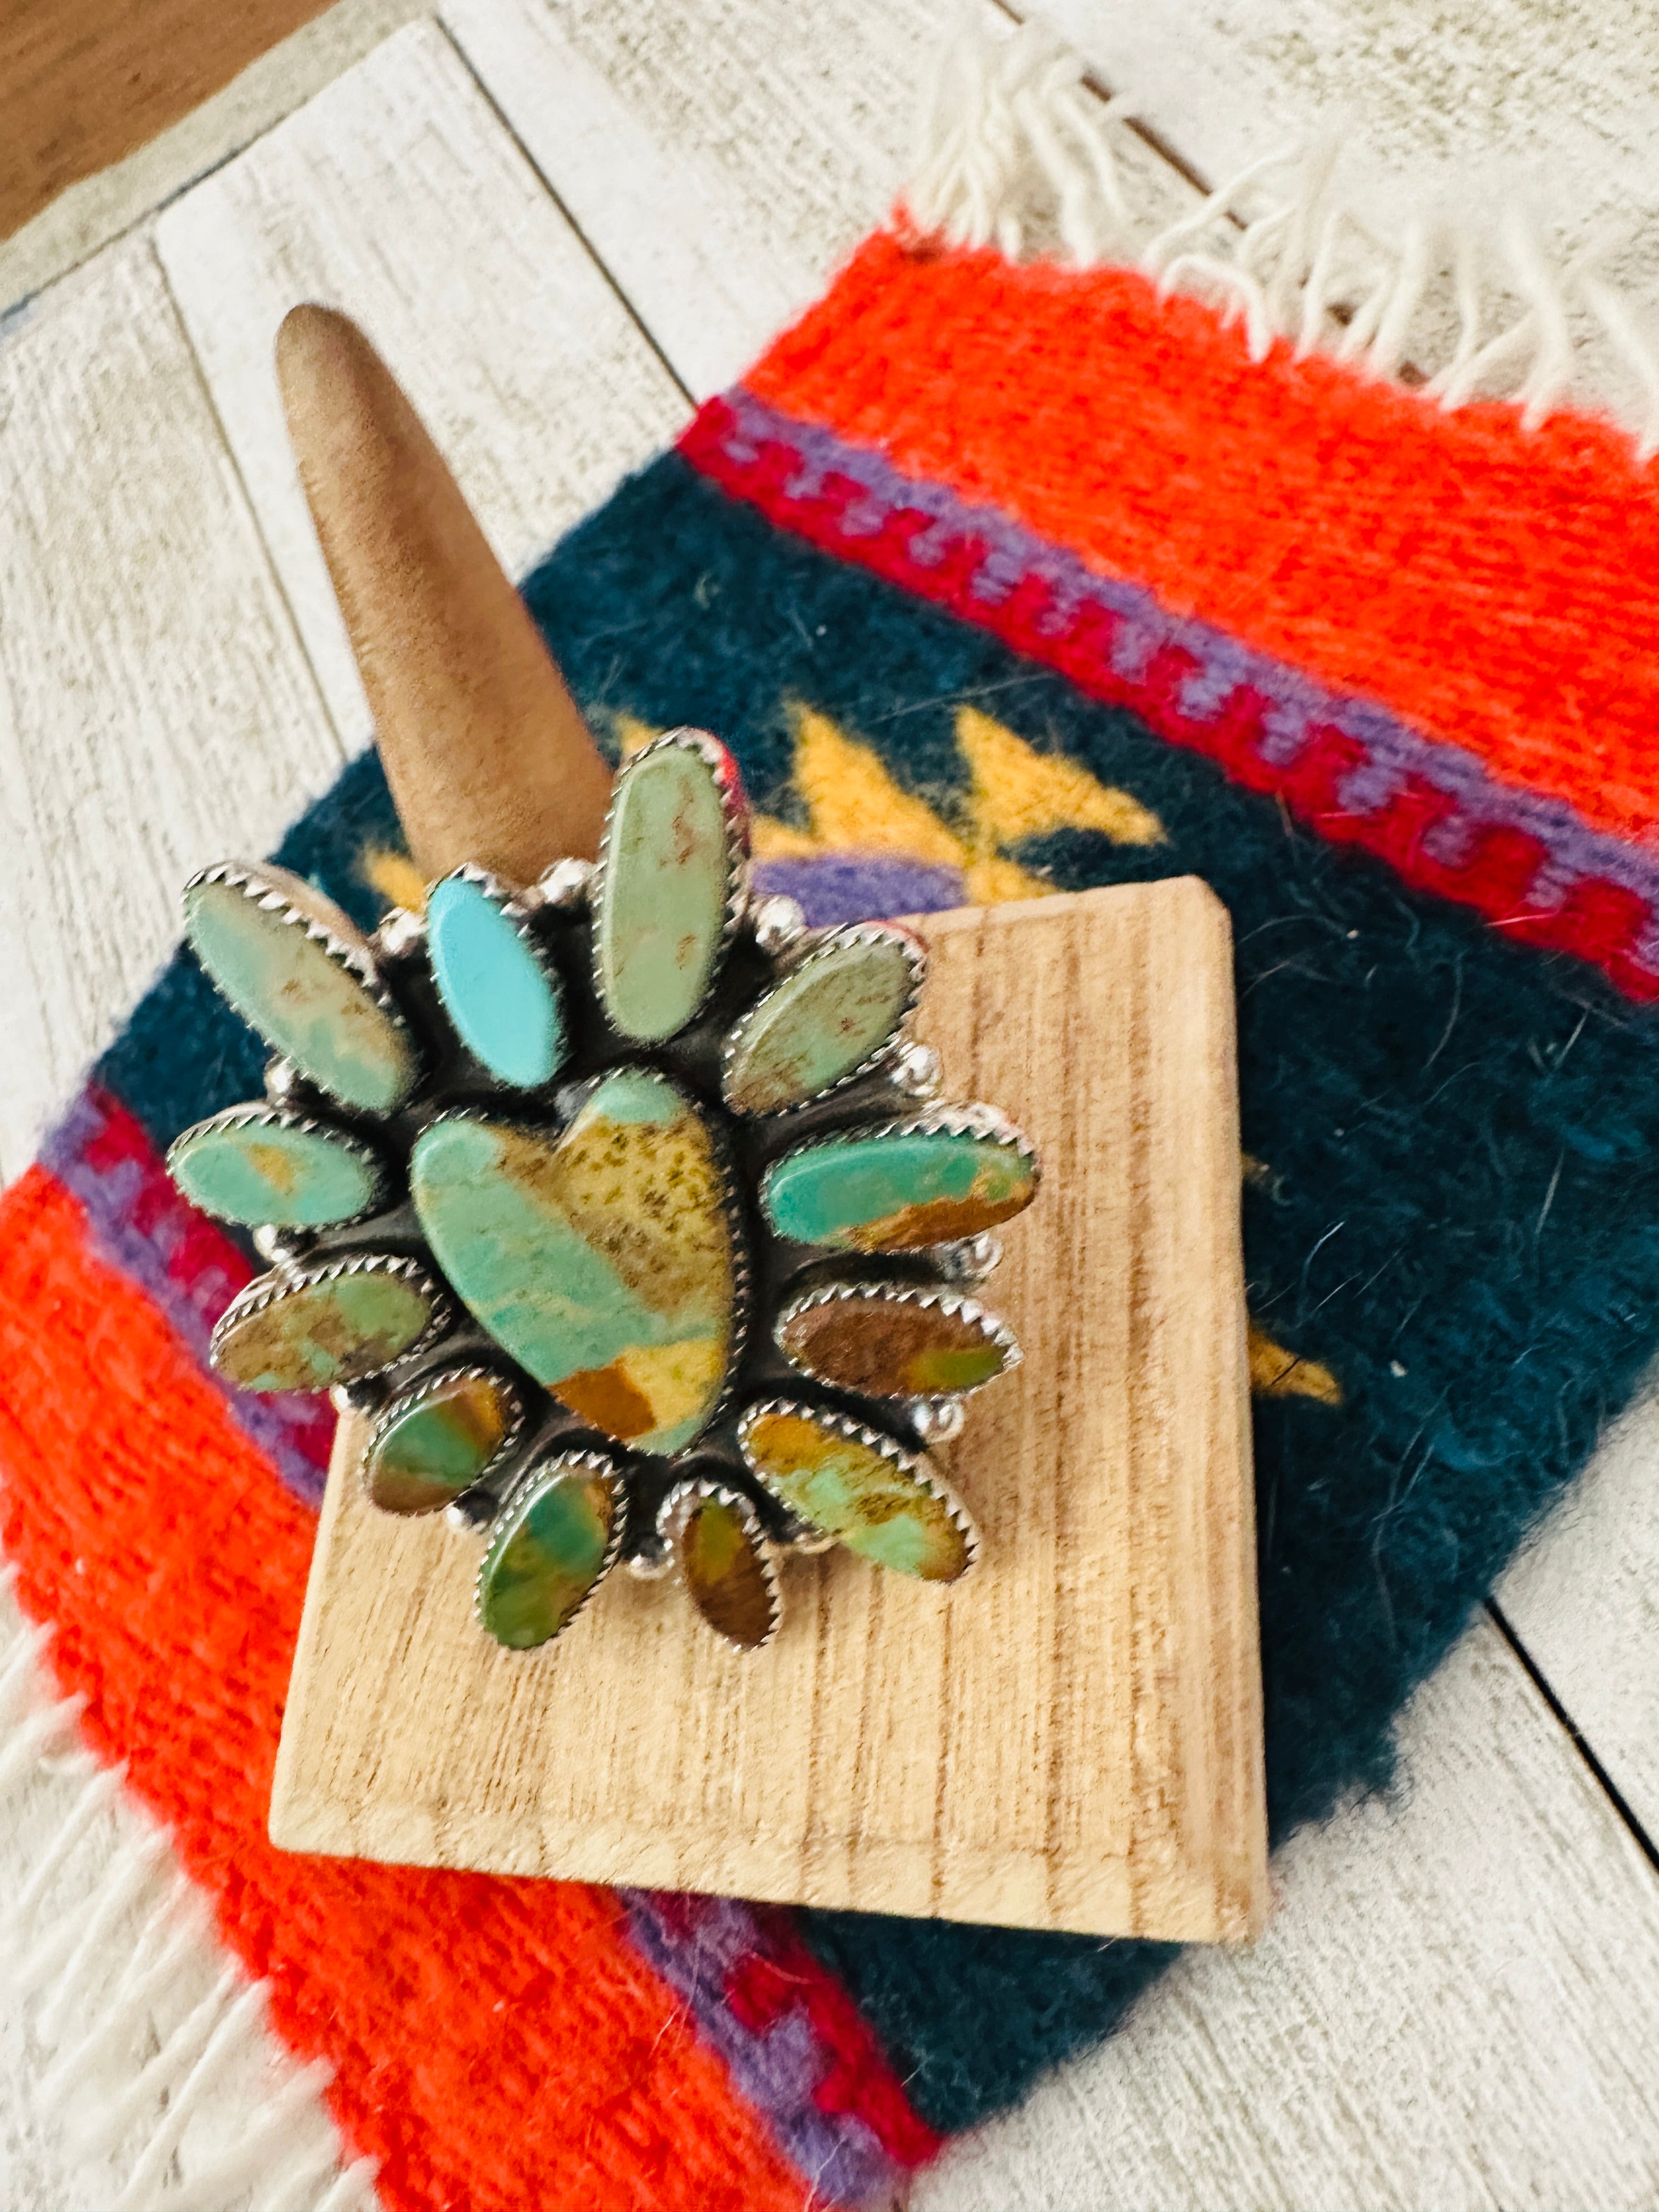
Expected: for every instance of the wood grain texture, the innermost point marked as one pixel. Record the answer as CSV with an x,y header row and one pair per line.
x,y
397,196
101,208
1542,2088
83,81
720,159
487,754
156,708
1453,2009
1070,1738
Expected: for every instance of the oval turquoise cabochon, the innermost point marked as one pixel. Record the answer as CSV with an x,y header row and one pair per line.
x,y
898,1188
883,1503
553,1543
665,886
504,999
338,1326
301,998
830,1016
256,1164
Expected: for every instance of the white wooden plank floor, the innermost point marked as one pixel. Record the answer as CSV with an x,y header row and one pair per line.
x,y
152,693
558,218
397,196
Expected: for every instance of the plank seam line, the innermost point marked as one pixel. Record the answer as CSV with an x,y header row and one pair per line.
x,y
1148,133
273,567
557,198
1576,1735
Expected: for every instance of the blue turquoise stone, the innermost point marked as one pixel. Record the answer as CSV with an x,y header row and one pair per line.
x,y
259,1164
504,999
896,1189
888,1508
301,997
665,887
554,1541
602,1260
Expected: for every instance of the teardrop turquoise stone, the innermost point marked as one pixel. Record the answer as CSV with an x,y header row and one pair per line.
x,y
889,1509
896,1189
602,1259
429,1446
299,997
724,1569
320,1330
267,1165
547,1551
504,1001
826,1017
664,889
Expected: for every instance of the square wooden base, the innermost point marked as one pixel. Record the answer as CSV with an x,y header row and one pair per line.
x,y
1070,1737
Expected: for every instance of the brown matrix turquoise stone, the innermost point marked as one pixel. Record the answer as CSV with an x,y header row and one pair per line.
x,y
725,1572
602,1260
259,1164
884,1507
552,1544
430,1446
828,1017
322,1330
887,1345
300,997
898,1188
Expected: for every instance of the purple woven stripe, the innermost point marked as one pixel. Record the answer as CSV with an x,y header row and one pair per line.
x,y
776,2069
837,887
187,1269
1010,553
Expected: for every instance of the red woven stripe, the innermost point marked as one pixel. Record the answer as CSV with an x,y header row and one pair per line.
x,y
1491,585
1602,922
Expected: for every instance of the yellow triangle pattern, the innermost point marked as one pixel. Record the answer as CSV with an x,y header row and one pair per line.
x,y
1276,1373
852,802
632,733
396,878
1021,792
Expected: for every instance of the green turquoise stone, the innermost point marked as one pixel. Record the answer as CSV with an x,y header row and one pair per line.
x,y
434,1443
663,890
725,1570
896,1189
886,1509
603,1260
259,1164
318,1330
504,1000
299,996
550,1548
826,1017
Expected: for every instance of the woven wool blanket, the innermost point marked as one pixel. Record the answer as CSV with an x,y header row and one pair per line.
x,y
999,579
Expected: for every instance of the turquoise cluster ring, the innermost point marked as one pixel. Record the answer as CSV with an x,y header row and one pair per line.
x,y
622,1207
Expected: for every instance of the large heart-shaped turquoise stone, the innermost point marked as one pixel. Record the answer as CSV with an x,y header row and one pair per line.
x,y
602,1260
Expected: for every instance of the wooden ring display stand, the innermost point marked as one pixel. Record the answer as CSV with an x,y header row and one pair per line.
x,y
1070,1738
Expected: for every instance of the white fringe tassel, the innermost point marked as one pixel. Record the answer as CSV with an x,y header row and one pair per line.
x,y
149,2049
1018,152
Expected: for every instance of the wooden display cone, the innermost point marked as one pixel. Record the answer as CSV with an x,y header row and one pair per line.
x,y
486,751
